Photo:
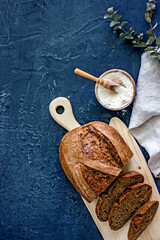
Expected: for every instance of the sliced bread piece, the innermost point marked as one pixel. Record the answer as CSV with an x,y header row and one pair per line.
x,y
132,199
113,193
142,219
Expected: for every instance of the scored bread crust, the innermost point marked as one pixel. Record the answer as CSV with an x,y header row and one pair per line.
x,y
122,148
142,218
75,163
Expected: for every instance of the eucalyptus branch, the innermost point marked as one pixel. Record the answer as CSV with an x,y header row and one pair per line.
x,y
137,39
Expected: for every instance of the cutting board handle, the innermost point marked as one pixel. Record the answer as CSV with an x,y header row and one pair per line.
x,y
66,119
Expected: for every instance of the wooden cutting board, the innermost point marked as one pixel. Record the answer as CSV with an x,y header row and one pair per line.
x,y
137,163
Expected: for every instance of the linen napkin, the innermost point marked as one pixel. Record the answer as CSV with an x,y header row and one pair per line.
x,y
145,117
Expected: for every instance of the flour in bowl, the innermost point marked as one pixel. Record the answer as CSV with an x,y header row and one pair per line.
x,y
123,95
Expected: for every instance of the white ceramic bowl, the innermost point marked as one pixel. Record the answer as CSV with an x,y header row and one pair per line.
x,y
134,89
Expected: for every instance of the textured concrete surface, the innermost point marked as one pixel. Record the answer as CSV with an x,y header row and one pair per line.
x,y
41,42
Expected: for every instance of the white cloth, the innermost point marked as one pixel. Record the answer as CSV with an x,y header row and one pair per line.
x,y
145,118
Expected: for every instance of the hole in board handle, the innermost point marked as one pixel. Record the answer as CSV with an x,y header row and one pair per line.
x,y
60,109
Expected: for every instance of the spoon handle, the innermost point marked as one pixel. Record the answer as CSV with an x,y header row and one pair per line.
x,y
85,74
107,84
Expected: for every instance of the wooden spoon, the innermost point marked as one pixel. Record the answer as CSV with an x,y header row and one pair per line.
x,y
105,83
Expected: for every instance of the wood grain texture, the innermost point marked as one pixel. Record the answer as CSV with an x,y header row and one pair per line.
x,y
66,119
137,163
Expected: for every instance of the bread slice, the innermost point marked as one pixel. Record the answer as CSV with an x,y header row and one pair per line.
x,y
142,219
113,193
92,156
132,199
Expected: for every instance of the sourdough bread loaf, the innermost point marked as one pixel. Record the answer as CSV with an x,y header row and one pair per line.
x,y
92,156
114,191
142,219
131,200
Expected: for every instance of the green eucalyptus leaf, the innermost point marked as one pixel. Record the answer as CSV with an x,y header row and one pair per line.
x,y
147,17
113,23
140,35
123,24
116,16
142,44
152,1
154,54
146,14
151,8
107,16
126,34
150,48
137,36
117,28
110,10
131,29
158,41
151,39
150,31
122,35
128,37
152,4
148,6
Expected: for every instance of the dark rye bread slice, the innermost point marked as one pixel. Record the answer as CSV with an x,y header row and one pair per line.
x,y
142,219
113,193
132,199
92,156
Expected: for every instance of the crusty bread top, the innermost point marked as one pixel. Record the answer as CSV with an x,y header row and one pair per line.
x,y
122,148
92,156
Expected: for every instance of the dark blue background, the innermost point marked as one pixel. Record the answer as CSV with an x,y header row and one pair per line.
x,y
41,42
